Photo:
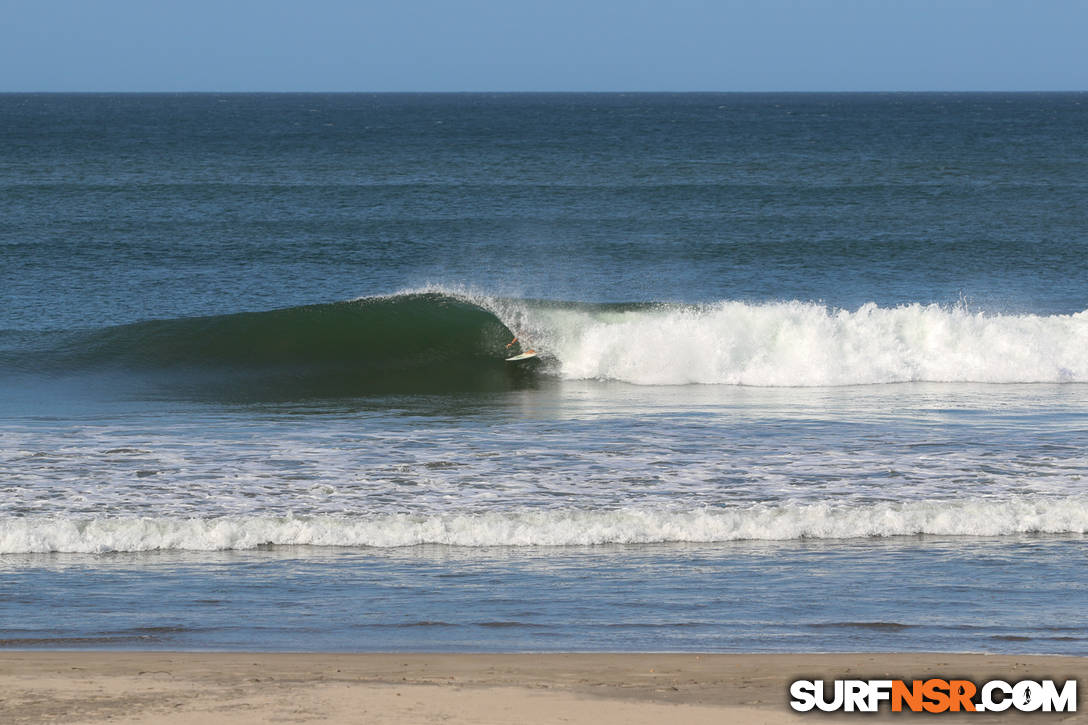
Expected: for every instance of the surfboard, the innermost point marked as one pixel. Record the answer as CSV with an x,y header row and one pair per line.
x,y
527,355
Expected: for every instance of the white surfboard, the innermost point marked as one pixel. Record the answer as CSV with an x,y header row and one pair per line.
x,y
527,355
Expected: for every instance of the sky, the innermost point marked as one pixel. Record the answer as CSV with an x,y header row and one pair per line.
x,y
542,45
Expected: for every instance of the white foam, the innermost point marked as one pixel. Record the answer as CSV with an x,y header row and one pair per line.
x,y
798,343
562,527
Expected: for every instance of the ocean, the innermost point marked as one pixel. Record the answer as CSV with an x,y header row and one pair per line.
x,y
812,373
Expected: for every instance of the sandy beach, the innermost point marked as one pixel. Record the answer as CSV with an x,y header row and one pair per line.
x,y
237,688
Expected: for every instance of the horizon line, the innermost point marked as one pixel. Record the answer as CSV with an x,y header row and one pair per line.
x,y
537,92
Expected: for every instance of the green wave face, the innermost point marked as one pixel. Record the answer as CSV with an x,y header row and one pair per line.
x,y
407,343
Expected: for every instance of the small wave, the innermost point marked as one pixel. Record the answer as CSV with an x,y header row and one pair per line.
x,y
74,642
875,626
966,517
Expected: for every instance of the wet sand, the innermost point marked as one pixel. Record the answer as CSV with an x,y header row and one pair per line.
x,y
524,689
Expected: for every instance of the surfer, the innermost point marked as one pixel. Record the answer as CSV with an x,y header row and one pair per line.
x,y
525,355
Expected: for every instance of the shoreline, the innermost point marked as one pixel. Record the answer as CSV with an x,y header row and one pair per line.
x,y
125,686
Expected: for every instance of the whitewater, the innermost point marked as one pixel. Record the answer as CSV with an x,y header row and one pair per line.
x,y
963,517
795,344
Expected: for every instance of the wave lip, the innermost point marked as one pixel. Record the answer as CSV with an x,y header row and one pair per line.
x,y
552,527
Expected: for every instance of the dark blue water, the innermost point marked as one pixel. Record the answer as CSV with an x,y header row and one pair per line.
x,y
168,205
812,371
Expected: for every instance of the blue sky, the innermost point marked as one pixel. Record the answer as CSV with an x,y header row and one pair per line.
x,y
548,45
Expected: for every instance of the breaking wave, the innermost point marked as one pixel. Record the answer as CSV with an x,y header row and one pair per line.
x,y
453,339
553,527
796,344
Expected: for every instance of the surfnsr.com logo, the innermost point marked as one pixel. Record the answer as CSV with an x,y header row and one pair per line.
x,y
933,695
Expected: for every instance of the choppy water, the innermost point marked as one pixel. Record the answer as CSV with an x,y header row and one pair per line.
x,y
812,377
